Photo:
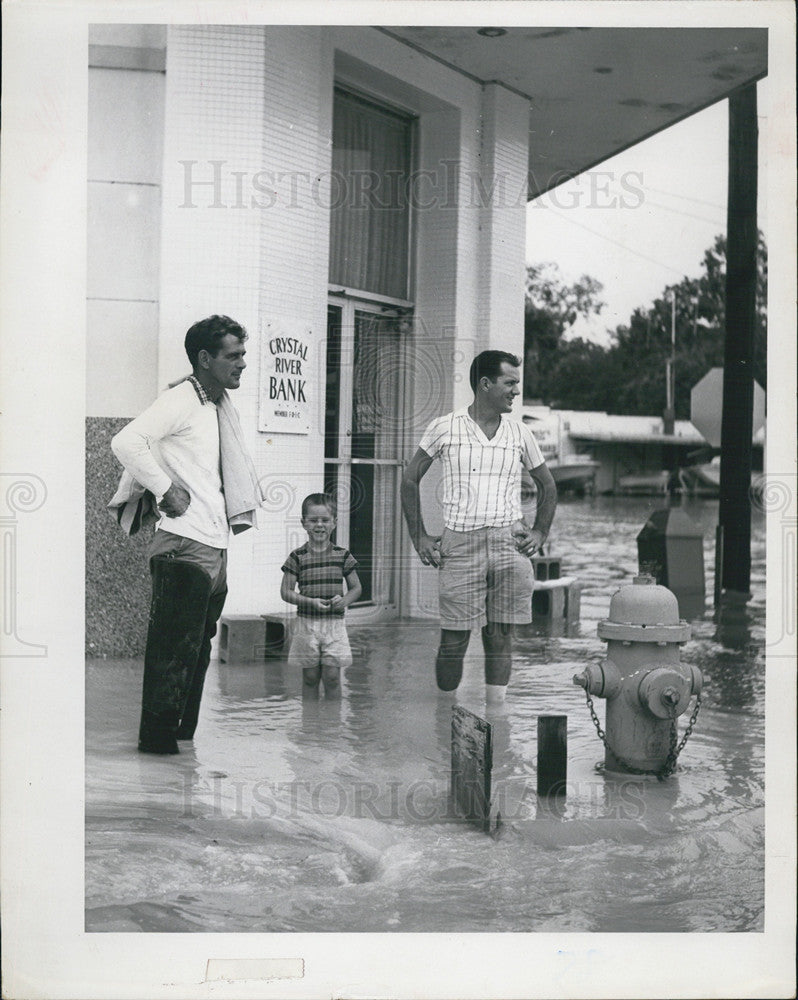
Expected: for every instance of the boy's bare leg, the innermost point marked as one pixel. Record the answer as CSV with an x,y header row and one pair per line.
x,y
310,681
331,678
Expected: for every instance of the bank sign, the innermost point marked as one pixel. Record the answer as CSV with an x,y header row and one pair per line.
x,y
286,380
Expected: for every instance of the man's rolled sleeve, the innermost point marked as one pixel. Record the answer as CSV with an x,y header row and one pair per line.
x,y
433,437
531,456
132,446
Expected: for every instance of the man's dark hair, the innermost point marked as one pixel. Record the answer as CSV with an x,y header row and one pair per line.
x,y
208,334
488,364
318,500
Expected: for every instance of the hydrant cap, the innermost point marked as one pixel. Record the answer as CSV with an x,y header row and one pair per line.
x,y
644,603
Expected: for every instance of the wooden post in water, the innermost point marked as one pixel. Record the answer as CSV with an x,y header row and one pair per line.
x,y
718,565
734,513
472,765
552,754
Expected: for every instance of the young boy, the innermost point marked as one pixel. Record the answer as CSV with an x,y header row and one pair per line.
x,y
313,578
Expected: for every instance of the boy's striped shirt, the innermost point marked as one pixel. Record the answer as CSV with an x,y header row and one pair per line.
x,y
320,574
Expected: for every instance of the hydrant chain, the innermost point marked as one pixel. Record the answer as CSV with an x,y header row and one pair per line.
x,y
673,753
688,731
603,737
674,750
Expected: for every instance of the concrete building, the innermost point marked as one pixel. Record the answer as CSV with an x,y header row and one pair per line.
x,y
356,197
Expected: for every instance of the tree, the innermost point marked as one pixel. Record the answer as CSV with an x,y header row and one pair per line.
x,y
583,377
629,376
640,349
551,309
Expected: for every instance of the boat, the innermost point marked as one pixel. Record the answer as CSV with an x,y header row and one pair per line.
x,y
576,472
571,471
701,480
644,483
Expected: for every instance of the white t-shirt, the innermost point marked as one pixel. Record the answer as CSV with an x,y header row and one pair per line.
x,y
481,477
176,440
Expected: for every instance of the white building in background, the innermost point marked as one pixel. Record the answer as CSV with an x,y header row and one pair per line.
x,y
599,452
356,198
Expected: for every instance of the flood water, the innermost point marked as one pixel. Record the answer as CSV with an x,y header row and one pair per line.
x,y
294,815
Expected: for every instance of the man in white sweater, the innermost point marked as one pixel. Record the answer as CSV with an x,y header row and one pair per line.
x,y
172,450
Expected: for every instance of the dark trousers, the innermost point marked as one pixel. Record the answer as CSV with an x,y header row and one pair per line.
x,y
188,719
183,617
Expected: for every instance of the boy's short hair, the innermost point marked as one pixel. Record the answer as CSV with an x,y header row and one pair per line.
x,y
318,500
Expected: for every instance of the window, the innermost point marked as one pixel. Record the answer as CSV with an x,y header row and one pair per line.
x,y
370,216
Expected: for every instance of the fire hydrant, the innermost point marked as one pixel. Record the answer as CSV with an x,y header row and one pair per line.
x,y
642,679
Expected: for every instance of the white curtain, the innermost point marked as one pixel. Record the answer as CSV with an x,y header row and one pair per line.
x,y
369,207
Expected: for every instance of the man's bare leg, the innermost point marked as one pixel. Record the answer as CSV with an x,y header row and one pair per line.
x,y
497,641
449,662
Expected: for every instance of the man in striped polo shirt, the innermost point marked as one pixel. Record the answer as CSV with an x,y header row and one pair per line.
x,y
485,574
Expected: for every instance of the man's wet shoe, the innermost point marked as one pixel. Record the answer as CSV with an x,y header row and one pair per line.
x,y
166,744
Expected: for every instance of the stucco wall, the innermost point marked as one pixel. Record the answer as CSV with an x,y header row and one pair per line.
x,y
117,577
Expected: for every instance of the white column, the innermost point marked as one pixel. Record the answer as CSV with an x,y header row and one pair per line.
x,y
500,193
214,146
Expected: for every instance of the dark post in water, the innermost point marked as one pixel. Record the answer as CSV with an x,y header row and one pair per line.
x,y
552,754
472,764
734,515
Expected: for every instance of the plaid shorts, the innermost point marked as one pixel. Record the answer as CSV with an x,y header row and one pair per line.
x,y
483,578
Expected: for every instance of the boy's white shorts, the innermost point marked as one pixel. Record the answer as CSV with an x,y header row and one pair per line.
x,y
319,642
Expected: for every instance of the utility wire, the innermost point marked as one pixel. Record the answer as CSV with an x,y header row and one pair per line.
x,y
687,215
685,197
678,211
623,246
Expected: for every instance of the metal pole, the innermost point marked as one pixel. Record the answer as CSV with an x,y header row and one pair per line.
x,y
673,353
668,388
734,514
673,322
668,417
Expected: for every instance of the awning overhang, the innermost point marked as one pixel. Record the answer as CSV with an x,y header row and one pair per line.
x,y
594,92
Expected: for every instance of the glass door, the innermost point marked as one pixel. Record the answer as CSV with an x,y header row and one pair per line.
x,y
363,421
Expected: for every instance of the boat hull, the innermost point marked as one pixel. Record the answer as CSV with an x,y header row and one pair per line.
x,y
644,483
576,476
